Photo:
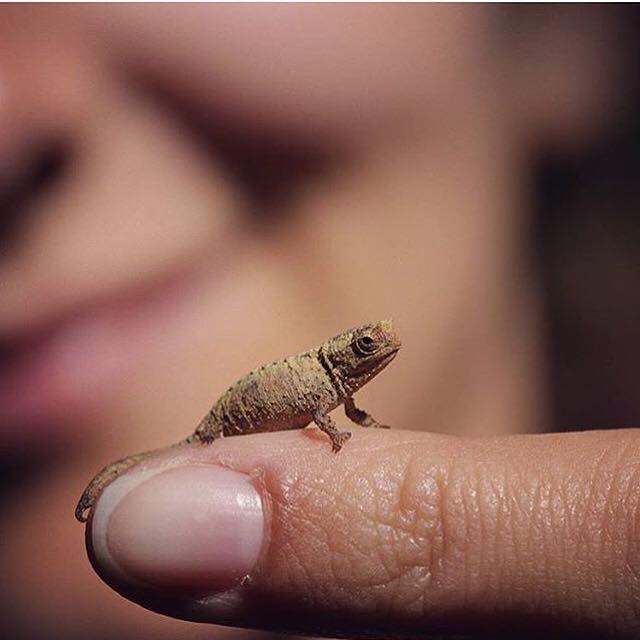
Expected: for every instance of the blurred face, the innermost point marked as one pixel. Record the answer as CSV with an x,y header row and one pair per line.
x,y
208,196
192,191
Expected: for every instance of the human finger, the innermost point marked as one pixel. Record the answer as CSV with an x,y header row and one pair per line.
x,y
400,534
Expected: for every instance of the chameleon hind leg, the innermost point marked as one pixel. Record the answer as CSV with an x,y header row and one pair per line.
x,y
209,429
326,424
361,417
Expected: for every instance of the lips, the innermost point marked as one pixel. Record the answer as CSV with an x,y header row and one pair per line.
x,y
72,365
110,259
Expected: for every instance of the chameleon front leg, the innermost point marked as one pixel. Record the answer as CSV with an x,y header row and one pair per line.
x,y
361,417
326,424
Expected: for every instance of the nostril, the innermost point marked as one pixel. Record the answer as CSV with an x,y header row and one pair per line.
x,y
26,178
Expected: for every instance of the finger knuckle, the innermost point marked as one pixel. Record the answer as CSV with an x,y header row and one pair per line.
x,y
419,533
391,534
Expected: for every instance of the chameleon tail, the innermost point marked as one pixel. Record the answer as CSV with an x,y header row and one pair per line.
x,y
209,429
107,475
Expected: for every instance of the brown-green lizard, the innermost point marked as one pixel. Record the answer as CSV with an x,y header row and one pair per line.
x,y
286,394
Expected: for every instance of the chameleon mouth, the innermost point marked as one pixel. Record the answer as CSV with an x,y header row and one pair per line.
x,y
382,360
389,356
394,345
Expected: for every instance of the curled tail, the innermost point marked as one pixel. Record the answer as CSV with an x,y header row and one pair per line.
x,y
107,475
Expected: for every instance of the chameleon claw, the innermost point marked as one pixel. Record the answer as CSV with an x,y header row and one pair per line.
x,y
339,440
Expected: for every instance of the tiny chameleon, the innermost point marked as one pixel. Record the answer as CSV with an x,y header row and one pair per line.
x,y
285,394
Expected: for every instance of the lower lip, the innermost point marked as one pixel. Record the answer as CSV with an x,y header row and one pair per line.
x,y
74,367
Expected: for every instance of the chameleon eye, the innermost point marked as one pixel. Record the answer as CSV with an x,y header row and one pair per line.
x,y
365,346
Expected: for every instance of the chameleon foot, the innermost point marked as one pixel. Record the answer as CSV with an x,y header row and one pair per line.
x,y
338,440
361,417
326,424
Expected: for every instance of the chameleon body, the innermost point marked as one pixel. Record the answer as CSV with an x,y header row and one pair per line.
x,y
286,394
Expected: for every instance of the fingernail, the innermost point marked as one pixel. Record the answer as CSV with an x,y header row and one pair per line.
x,y
195,527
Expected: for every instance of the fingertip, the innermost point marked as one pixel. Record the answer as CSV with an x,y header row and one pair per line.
x,y
192,528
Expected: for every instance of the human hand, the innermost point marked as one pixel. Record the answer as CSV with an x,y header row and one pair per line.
x,y
401,534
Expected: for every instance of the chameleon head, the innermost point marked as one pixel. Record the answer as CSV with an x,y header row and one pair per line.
x,y
359,354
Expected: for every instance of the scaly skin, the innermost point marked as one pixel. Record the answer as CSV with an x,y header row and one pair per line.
x,y
286,394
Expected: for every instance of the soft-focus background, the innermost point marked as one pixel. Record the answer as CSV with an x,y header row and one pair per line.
x,y
187,192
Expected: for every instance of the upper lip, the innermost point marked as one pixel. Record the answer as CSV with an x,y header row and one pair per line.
x,y
72,359
19,328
